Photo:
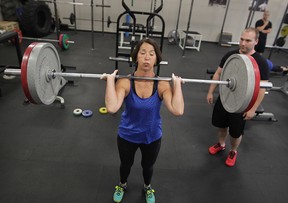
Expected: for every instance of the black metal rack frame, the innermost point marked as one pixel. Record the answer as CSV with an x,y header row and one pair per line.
x,y
149,31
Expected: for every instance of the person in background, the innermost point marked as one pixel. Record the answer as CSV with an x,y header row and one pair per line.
x,y
233,123
141,125
277,68
264,26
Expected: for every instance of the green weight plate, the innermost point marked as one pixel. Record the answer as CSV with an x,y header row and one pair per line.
x,y
65,44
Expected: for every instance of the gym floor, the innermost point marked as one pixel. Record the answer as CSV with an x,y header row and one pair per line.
x,y
49,155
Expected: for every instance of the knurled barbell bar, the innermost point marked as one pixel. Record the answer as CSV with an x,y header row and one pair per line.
x,y
63,40
74,3
120,59
72,20
42,78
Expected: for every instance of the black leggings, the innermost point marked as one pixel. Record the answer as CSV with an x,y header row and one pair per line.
x,y
127,152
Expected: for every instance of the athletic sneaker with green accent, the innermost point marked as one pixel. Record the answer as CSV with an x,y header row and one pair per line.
x,y
216,148
149,194
231,159
119,193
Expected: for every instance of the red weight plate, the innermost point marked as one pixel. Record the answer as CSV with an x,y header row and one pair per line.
x,y
60,41
20,36
257,83
239,69
24,70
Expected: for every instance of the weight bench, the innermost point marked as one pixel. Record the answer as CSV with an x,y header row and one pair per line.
x,y
283,88
262,115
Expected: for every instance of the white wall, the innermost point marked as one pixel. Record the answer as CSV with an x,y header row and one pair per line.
x,y
205,19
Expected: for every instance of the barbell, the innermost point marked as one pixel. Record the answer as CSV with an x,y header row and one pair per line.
x,y
63,40
41,78
120,59
74,3
72,18
279,44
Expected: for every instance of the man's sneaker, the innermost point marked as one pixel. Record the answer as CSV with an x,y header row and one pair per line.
x,y
231,159
216,148
119,193
149,194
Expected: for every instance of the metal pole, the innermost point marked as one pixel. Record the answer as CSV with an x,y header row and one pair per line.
x,y
221,32
92,24
56,19
188,26
102,17
74,11
252,15
179,10
249,16
46,40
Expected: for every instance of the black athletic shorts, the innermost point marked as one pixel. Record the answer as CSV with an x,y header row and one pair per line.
x,y
260,47
223,119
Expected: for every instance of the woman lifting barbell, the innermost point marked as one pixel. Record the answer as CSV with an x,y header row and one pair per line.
x,y
140,125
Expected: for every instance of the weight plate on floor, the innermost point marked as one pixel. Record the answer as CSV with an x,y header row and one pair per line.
x,y
77,112
103,110
87,113
38,60
240,70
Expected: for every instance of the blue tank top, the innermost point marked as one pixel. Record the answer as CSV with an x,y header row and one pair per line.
x,y
141,121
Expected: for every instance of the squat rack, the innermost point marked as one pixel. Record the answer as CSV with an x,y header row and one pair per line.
x,y
279,29
149,30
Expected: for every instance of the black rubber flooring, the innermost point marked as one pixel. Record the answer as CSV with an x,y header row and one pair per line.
x,y
49,155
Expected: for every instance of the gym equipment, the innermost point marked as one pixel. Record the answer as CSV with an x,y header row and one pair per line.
x,y
279,30
87,113
41,78
222,35
77,112
280,41
63,40
189,40
284,31
252,9
260,113
130,61
35,19
132,30
73,19
173,35
72,3
263,116
103,110
187,32
283,89
77,4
